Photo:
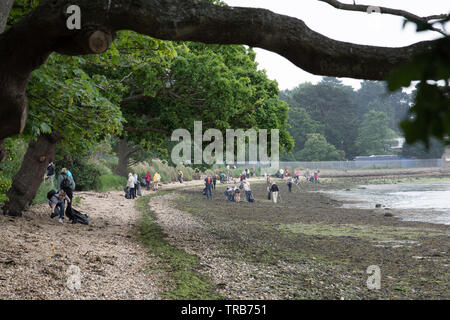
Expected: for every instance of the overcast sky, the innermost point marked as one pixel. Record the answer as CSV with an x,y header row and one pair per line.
x,y
356,27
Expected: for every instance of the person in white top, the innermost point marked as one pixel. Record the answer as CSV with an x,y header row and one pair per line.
x,y
247,190
130,186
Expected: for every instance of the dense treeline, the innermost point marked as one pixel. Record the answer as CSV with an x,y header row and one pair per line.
x,y
122,106
331,121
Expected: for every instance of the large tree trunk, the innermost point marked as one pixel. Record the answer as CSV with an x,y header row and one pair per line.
x,y
5,8
30,175
124,154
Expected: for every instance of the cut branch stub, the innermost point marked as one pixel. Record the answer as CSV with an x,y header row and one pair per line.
x,y
99,41
91,40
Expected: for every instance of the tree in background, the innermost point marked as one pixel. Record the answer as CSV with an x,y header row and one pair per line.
x,y
301,125
375,136
328,103
318,149
219,85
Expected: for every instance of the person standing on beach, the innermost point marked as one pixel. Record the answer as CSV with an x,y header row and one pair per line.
x,y
214,181
274,189
208,187
137,185
148,178
247,190
156,179
66,183
50,173
130,186
180,176
289,184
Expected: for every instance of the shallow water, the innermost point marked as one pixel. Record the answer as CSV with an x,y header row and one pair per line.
x,y
418,201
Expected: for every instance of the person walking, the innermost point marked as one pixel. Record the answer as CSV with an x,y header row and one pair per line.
x,y
156,180
180,176
208,187
56,203
67,184
137,185
247,190
130,186
289,184
50,173
274,189
148,178
214,181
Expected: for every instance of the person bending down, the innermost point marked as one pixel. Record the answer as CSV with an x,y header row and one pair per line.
x,y
57,204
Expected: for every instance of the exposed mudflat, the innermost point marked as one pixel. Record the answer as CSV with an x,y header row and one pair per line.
x,y
306,246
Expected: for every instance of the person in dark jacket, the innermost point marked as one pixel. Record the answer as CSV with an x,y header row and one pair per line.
x,y
66,183
208,187
214,181
50,173
274,189
57,202
289,184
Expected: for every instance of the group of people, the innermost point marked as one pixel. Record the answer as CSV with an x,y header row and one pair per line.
x,y
247,173
133,188
233,193
64,192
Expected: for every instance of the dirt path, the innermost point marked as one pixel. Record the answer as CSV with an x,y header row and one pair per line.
x,y
36,253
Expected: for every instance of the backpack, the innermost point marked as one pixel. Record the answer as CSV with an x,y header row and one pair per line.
x,y
50,194
65,184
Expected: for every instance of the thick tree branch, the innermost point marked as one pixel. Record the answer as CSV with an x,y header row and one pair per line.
x,y
26,46
396,12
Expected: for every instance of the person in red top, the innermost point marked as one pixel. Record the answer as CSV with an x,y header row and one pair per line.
x,y
316,177
148,178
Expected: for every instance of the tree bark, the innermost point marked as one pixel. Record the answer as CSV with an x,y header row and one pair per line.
x,y
5,8
124,154
30,175
44,31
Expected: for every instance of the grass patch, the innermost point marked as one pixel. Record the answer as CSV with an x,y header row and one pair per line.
x,y
186,282
357,231
77,201
41,195
109,182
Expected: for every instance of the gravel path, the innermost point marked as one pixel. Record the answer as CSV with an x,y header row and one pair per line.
x,y
36,253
